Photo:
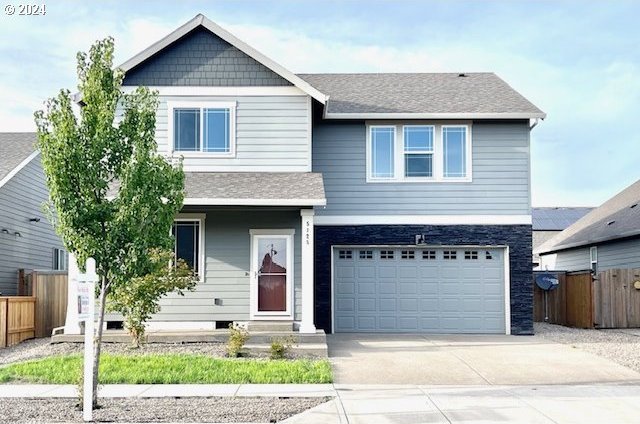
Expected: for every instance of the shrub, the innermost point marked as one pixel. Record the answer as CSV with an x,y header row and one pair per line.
x,y
238,336
280,346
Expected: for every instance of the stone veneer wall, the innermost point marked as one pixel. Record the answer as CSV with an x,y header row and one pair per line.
x,y
517,237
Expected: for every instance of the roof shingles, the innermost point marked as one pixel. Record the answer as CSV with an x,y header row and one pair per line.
x,y
15,147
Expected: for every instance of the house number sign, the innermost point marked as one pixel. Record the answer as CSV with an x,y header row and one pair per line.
x,y
307,231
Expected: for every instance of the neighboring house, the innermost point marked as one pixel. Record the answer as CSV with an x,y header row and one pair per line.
x,y
607,237
27,239
386,202
547,222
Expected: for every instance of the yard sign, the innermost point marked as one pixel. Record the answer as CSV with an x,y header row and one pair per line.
x,y
86,313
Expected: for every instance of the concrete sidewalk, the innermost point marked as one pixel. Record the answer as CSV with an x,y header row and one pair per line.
x,y
169,390
392,404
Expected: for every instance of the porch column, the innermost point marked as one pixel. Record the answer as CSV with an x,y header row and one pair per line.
x,y
307,325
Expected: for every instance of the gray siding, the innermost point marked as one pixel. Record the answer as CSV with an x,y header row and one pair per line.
x,y
21,199
539,238
567,260
621,254
500,186
272,134
227,250
202,59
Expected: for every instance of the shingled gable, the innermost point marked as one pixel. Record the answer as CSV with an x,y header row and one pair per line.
x,y
224,50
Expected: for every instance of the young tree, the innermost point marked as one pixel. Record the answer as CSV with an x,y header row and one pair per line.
x,y
138,299
113,196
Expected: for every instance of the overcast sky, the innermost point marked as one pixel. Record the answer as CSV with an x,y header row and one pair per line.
x,y
579,61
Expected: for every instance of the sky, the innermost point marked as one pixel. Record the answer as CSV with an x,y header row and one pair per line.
x,y
578,61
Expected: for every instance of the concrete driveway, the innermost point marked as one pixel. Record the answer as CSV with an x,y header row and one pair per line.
x,y
467,360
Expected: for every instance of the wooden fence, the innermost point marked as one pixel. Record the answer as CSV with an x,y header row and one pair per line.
x,y
26,317
50,290
608,301
17,314
570,304
619,305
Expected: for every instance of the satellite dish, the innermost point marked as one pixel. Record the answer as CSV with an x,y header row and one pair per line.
x,y
547,281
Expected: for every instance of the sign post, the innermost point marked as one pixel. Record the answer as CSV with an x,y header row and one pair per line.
x,y
86,313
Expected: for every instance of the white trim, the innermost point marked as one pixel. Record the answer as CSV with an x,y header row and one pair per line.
x,y
369,153
507,272
468,154
309,134
437,155
201,20
180,325
199,104
473,115
179,91
423,220
507,292
288,235
201,218
593,258
307,303
207,201
18,168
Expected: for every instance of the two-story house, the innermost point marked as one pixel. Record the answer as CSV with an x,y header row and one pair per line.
x,y
344,202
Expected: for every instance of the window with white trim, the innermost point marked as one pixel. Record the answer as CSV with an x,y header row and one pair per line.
x,y
203,128
593,259
59,259
188,244
418,150
454,151
419,153
382,155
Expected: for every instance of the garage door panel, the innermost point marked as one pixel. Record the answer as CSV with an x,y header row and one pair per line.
x,y
366,305
366,287
345,305
367,271
389,290
388,305
408,288
366,323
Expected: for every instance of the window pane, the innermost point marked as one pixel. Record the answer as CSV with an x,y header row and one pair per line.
x,y
418,165
382,141
418,139
216,130
187,242
454,144
186,130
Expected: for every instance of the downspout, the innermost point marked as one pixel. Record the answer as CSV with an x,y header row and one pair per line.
x,y
534,124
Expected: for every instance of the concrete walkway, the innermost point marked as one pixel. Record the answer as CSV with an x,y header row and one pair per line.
x,y
389,404
407,404
467,360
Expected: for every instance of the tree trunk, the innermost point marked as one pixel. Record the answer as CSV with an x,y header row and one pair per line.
x,y
97,341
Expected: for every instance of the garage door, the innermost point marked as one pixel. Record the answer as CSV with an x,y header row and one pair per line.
x,y
437,290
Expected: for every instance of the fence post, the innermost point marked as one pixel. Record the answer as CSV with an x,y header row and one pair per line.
x,y
6,328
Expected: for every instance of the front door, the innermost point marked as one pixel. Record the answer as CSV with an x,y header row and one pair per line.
x,y
272,270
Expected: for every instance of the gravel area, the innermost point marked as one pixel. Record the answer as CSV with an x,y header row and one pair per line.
x,y
620,346
191,410
40,348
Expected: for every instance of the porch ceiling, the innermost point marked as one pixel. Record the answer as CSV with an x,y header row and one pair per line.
x,y
254,188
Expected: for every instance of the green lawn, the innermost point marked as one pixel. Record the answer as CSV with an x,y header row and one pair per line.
x,y
170,369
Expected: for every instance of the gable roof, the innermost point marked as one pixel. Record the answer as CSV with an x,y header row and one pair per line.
x,y
556,218
421,95
202,21
17,149
618,217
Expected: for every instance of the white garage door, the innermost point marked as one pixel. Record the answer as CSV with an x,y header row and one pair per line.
x,y
431,290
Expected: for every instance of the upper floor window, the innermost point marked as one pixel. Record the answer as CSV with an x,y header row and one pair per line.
x,y
454,144
382,151
416,153
207,128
